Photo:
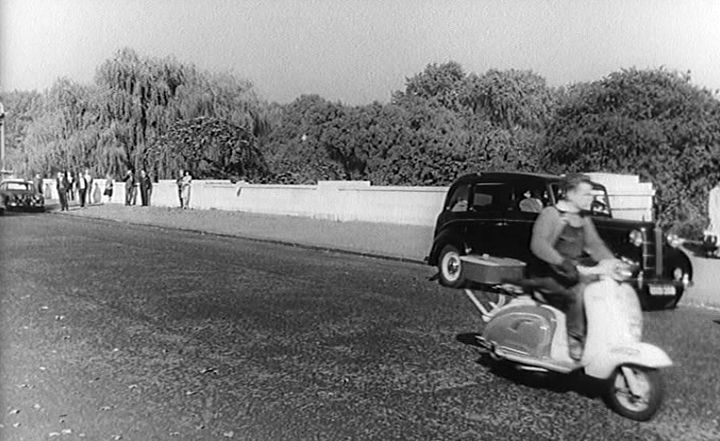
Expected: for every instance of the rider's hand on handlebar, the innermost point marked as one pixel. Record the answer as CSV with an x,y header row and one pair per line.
x,y
612,268
569,270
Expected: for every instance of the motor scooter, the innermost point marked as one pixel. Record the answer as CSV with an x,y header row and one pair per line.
x,y
531,334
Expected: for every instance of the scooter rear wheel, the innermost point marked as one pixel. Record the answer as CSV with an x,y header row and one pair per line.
x,y
640,406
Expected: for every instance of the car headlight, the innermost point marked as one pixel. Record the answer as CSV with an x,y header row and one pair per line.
x,y
673,240
636,238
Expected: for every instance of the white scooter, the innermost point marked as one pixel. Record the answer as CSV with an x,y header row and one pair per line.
x,y
532,335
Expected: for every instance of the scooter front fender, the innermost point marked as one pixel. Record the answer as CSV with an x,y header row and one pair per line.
x,y
639,354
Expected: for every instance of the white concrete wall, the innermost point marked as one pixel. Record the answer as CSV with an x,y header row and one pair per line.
x,y
353,200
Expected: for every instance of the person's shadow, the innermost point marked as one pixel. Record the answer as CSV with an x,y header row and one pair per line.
x,y
556,382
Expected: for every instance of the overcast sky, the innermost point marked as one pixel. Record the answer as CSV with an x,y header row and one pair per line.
x,y
357,51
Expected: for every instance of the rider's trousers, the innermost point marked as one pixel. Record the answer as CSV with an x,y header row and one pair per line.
x,y
568,300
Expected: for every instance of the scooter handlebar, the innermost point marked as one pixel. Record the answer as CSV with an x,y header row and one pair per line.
x,y
614,269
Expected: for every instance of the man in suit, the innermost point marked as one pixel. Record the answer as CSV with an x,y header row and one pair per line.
x,y
145,188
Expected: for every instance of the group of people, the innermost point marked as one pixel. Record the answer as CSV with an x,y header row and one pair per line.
x,y
132,183
69,185
87,190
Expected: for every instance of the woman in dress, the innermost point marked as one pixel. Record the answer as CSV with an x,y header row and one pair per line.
x,y
185,189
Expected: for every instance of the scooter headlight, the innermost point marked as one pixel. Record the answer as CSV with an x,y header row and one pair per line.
x,y
636,238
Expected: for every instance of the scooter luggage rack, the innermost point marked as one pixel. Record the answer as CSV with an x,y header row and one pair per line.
x,y
503,291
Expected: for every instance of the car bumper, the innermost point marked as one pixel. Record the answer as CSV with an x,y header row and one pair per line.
x,y
24,207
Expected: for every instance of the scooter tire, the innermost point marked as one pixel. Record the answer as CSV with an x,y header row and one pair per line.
x,y
620,400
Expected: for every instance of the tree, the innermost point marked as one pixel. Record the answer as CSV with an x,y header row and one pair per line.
x,y
142,98
211,148
21,109
509,99
653,123
294,150
441,85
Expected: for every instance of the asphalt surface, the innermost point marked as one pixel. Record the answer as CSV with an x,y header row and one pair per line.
x,y
409,243
116,331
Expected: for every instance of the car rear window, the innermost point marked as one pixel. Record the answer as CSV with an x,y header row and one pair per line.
x,y
458,200
488,197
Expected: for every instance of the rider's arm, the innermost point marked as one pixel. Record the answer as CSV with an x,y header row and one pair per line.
x,y
544,235
594,245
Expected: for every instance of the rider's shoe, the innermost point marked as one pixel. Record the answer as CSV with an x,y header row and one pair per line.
x,y
575,348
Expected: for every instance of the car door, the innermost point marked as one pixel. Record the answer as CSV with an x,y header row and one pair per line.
x,y
490,202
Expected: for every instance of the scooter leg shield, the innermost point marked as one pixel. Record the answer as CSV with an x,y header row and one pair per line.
x,y
640,354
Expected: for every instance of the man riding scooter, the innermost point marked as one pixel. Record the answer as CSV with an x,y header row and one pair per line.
x,y
561,236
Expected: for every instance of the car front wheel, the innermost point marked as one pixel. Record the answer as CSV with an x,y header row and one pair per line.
x,y
451,267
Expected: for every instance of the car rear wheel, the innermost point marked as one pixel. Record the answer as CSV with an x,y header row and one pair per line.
x,y
451,267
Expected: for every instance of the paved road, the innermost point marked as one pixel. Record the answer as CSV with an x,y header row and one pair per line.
x,y
113,331
404,242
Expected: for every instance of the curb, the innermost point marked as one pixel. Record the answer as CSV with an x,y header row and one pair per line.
x,y
254,239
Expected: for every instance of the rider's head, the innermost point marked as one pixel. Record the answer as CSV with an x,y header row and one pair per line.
x,y
577,189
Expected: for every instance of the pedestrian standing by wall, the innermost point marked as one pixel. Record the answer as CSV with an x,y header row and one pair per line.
x,y
70,189
108,187
145,188
81,188
129,187
62,184
38,183
712,234
186,181
90,193
178,181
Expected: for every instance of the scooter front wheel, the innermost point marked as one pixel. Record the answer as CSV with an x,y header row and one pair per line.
x,y
635,392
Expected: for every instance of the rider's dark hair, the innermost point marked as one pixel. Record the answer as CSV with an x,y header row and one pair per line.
x,y
573,180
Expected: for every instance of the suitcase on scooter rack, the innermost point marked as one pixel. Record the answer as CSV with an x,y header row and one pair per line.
x,y
491,270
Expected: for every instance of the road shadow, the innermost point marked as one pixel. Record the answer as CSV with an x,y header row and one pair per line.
x,y
15,213
554,382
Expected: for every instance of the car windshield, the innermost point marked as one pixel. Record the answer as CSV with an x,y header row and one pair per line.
x,y
600,205
22,186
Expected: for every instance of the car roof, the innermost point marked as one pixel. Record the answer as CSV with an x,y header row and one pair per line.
x,y
16,181
508,176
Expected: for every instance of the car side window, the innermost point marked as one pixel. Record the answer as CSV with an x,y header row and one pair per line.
x,y
458,201
492,197
531,199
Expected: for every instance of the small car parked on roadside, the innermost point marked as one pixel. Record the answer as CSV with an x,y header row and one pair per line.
x,y
494,213
18,194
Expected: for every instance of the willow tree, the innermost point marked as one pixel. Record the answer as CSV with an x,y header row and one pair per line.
x,y
209,148
142,98
62,134
137,102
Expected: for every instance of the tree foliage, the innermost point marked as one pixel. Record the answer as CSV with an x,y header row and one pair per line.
x,y
210,147
107,126
653,123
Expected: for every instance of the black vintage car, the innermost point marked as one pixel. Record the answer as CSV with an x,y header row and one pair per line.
x,y
17,194
493,213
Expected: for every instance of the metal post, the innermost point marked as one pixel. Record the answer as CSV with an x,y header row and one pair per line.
x,y
2,139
